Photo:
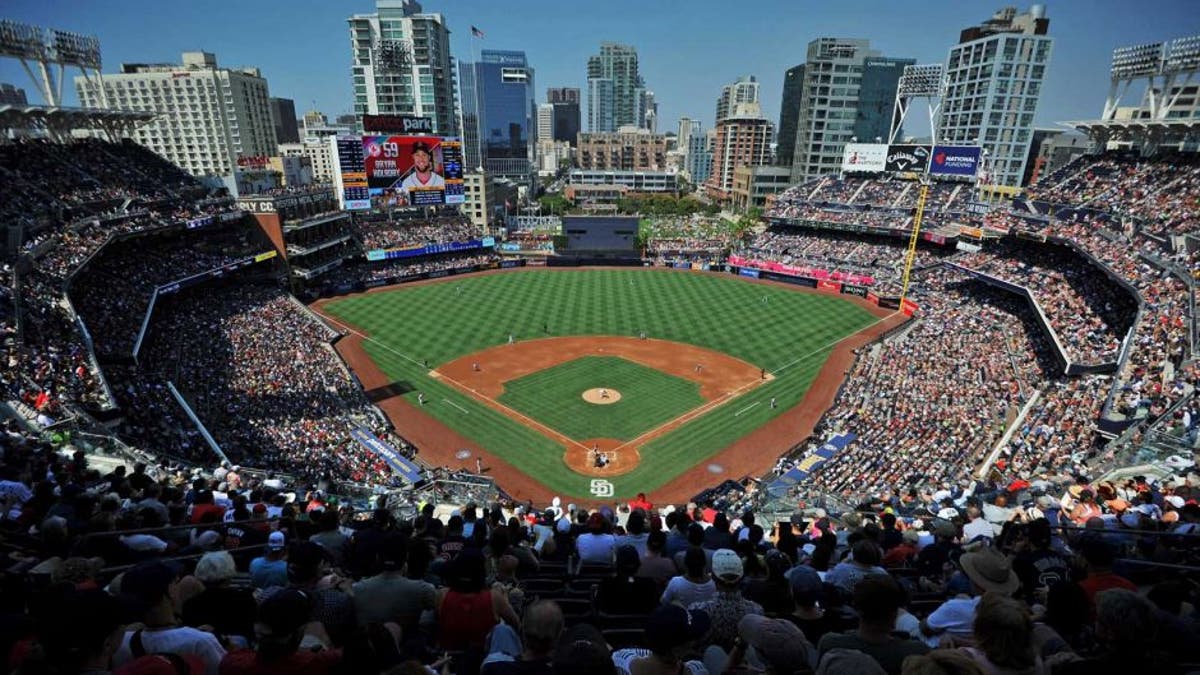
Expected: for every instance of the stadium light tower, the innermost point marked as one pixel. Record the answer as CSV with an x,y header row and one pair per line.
x,y
917,82
46,47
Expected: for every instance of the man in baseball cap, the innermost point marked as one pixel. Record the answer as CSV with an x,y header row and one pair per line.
x,y
728,607
775,645
271,569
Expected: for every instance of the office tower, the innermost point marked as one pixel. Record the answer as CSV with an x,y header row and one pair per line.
x,y
566,113
283,118
744,90
499,114
614,99
789,114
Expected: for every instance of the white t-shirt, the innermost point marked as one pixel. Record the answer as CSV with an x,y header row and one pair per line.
x,y
144,542
685,592
183,641
978,528
956,616
596,548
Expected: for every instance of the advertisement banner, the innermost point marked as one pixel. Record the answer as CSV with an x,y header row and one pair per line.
x,y
908,307
955,160
414,251
397,124
747,272
824,285
862,157
872,298
399,463
904,157
413,170
860,291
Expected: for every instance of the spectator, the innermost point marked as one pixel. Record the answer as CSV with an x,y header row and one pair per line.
x,y
1125,633
151,586
228,609
467,610
1003,635
694,585
271,569
1099,556
728,606
330,537
670,634
596,546
531,654
625,592
288,642
864,561
654,565
988,570
878,600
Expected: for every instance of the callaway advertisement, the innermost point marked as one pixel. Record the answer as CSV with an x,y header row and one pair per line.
x,y
413,170
955,160
860,157
907,158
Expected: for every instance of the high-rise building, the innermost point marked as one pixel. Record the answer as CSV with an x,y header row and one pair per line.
x,y
683,137
837,74
499,114
401,64
789,114
566,113
283,118
744,90
700,155
647,110
208,116
319,153
545,122
743,139
614,96
630,149
994,81
12,95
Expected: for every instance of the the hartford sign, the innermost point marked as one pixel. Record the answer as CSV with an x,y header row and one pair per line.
x,y
955,160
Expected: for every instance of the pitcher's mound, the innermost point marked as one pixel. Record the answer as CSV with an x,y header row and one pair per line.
x,y
602,396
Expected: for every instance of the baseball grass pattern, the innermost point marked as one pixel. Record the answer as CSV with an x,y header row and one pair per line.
x,y
648,398
789,334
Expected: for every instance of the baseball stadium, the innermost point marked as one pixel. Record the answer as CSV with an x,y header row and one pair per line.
x,y
903,381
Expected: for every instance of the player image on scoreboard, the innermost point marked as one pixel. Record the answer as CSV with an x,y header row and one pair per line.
x,y
413,170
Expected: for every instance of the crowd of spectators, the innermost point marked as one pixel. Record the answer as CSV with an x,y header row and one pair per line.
x,y
928,406
1090,313
371,271
696,237
256,368
407,232
113,292
223,572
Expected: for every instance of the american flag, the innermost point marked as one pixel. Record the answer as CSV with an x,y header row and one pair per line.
x,y
476,32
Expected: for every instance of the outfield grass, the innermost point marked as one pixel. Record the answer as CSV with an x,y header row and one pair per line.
x,y
786,332
649,398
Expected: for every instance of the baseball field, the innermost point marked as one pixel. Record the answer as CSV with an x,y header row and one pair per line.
x,y
540,372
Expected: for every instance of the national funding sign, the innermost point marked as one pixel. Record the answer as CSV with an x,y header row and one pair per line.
x,y
955,160
907,158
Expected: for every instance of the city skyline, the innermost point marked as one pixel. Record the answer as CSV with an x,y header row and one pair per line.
x,y
686,57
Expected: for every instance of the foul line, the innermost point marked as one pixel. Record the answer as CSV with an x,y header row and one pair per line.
x,y
818,350
738,413
368,338
464,410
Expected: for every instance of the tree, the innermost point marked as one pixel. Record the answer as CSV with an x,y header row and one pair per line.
x,y
555,204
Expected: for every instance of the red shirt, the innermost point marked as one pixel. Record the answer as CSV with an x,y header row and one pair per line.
x,y
1102,582
199,510
245,662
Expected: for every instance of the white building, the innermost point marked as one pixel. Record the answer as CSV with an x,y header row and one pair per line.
x,y
994,77
318,152
744,90
208,116
545,122
637,181
401,64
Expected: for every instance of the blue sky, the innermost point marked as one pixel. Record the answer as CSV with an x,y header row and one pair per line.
x,y
687,50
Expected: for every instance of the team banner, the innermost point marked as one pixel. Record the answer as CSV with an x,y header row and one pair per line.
x,y
863,157
955,160
907,158
413,170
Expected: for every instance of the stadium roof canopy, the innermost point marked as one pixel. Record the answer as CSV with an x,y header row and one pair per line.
x,y
1147,134
58,122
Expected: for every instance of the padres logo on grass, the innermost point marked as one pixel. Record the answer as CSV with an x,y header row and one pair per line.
x,y
601,488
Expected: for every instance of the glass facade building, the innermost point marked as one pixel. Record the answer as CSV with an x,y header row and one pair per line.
x,y
499,114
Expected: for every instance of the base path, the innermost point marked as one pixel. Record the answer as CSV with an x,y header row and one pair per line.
x,y
721,378
752,455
